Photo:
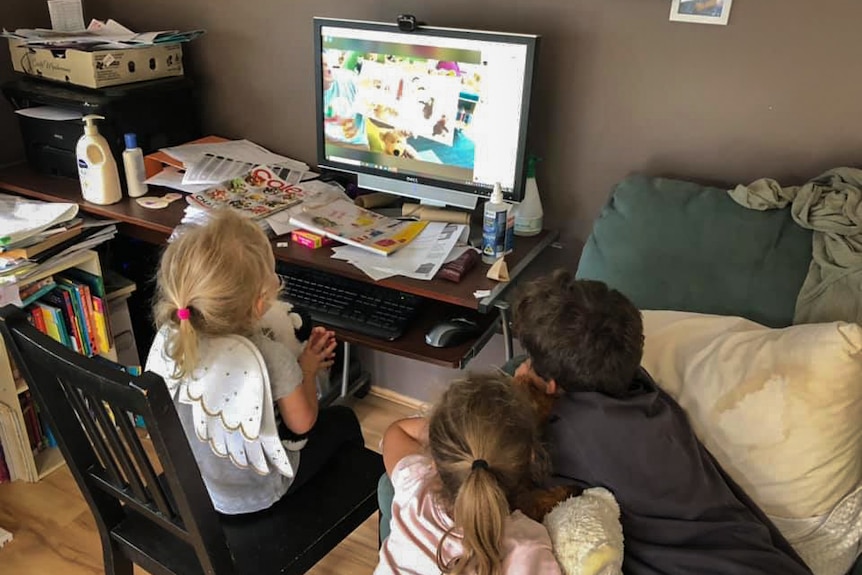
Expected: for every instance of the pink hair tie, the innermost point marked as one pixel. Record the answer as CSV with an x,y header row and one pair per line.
x,y
184,313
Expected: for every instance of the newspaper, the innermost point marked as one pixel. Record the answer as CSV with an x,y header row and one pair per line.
x,y
345,222
258,194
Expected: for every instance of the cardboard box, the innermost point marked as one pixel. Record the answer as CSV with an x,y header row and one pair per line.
x,y
100,68
310,239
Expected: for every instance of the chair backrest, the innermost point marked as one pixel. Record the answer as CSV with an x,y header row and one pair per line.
x,y
91,407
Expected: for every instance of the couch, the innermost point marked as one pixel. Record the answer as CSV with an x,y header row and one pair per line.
x,y
779,405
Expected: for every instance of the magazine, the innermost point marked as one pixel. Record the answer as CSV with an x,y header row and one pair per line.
x,y
260,193
345,222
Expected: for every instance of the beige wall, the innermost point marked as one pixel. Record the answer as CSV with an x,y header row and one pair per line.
x,y
619,89
14,14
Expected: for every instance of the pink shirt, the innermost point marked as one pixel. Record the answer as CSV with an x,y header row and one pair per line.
x,y
418,524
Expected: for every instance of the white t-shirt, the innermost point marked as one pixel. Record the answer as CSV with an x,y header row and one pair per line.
x,y
418,524
233,489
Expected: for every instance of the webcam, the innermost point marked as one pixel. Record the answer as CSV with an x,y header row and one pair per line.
x,y
408,23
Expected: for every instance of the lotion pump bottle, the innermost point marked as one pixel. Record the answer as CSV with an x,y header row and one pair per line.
x,y
133,164
97,169
528,217
494,226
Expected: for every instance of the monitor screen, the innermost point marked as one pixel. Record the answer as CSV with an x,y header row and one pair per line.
x,y
436,114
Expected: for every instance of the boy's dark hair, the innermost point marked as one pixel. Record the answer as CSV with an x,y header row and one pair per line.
x,y
580,333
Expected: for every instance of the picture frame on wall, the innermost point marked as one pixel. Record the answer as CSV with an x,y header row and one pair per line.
x,y
701,11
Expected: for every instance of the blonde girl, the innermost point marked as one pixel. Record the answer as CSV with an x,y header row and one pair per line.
x,y
215,280
455,477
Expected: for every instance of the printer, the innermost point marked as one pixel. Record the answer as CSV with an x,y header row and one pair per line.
x,y
161,112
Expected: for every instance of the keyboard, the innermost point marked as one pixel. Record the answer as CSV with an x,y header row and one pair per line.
x,y
348,304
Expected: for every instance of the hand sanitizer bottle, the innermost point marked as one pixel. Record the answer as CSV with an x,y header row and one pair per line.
x,y
528,217
97,169
133,164
494,226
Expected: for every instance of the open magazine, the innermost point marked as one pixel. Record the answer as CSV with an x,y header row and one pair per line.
x,y
345,222
260,193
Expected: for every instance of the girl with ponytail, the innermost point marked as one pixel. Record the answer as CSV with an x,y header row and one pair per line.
x,y
455,476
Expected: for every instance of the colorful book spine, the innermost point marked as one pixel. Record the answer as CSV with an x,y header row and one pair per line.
x,y
49,321
56,298
103,324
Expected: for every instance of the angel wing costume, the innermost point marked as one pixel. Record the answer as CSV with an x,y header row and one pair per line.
x,y
227,410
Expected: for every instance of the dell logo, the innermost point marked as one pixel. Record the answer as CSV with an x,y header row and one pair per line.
x,y
412,180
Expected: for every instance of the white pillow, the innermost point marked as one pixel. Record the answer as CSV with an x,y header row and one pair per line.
x,y
780,409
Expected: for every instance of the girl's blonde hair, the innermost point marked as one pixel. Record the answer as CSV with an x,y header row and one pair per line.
x,y
484,441
217,271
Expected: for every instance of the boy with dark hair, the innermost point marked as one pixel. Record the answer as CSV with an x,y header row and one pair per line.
x,y
613,427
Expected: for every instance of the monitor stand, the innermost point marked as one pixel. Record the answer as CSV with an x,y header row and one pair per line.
x,y
428,195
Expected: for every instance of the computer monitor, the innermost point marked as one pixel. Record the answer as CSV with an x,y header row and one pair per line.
x,y
435,114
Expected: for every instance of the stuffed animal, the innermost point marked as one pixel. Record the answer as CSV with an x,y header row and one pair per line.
x,y
292,328
586,534
287,326
395,144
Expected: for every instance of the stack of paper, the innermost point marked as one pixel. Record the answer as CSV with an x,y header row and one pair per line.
x,y
21,218
109,35
421,259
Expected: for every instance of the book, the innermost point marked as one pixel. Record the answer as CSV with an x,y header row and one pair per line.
x,y
33,291
259,194
95,294
343,221
37,244
61,300
88,339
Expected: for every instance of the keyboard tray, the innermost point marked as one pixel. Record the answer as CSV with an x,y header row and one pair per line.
x,y
348,304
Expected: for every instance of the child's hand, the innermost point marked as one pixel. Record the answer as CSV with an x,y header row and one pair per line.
x,y
318,353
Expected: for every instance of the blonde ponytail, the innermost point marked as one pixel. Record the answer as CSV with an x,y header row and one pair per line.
x,y
484,442
218,272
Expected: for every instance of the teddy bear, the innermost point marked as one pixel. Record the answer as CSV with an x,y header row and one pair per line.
x,y
395,144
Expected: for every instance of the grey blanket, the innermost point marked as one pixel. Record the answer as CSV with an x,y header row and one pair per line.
x,y
831,206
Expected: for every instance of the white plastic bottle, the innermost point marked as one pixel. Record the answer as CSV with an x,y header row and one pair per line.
x,y
97,169
494,225
529,215
133,164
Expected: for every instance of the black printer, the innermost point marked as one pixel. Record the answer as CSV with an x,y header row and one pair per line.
x,y
161,112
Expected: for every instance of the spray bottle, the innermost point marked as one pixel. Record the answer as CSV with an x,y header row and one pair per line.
x,y
494,226
528,218
97,168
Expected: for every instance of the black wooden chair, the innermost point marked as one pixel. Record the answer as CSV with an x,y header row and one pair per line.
x,y
165,522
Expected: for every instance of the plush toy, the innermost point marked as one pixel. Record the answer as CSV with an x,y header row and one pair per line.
x,y
287,326
292,328
586,534
395,144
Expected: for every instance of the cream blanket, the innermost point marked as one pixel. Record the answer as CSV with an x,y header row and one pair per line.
x,y
831,206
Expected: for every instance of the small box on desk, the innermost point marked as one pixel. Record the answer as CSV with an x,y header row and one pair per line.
x,y
161,112
310,239
99,68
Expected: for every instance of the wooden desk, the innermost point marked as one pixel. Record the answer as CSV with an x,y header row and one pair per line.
x,y
445,299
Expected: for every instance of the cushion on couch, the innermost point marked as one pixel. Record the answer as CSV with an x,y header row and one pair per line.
x,y
781,410
669,244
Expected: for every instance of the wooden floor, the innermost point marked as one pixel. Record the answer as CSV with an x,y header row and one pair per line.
x,y
54,532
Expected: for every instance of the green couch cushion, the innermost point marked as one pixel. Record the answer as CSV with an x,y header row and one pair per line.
x,y
675,245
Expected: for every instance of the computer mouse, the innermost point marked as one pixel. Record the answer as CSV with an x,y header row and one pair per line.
x,y
452,332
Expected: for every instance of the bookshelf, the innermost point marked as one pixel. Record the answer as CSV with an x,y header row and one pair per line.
x,y
13,429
